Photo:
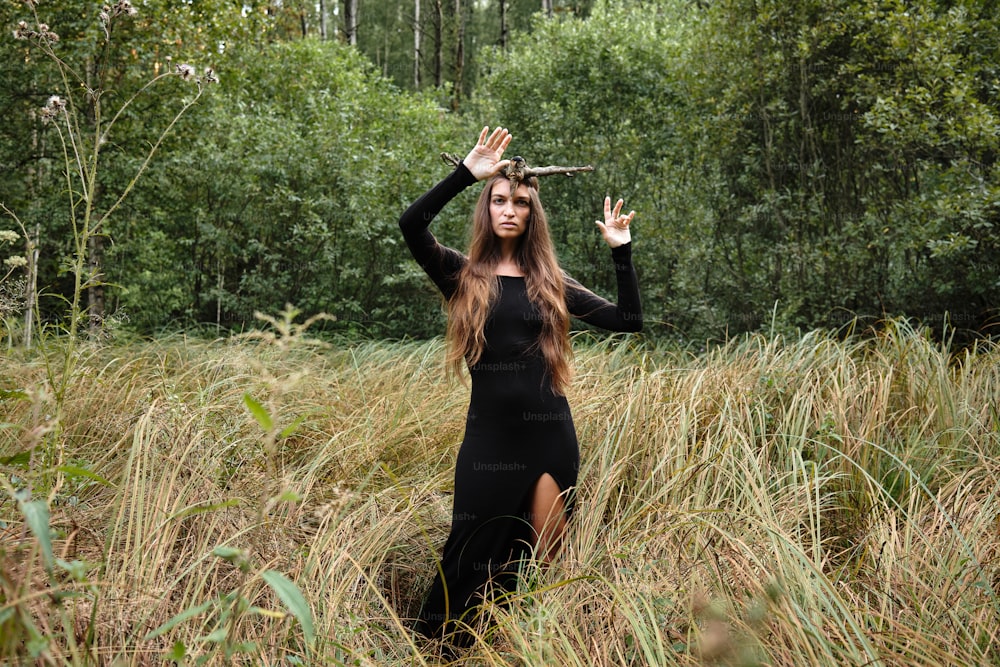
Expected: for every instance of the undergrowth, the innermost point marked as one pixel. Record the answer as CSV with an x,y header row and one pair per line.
x,y
271,500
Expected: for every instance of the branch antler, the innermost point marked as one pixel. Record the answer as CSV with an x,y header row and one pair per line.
x,y
517,170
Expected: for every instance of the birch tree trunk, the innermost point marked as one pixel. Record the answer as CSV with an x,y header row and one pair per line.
x,y
416,44
351,21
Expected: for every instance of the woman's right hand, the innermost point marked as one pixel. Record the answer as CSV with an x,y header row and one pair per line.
x,y
484,160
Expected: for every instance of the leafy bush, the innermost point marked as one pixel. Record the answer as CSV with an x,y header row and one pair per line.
x,y
303,165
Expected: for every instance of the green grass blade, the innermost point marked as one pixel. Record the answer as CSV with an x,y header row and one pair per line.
x,y
176,620
79,472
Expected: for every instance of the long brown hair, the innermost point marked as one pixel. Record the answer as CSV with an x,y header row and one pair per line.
x,y
469,306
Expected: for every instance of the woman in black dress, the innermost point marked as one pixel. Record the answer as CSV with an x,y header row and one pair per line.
x,y
509,306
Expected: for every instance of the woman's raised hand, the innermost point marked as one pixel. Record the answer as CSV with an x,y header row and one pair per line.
x,y
614,229
484,160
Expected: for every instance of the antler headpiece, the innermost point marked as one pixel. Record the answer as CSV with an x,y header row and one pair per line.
x,y
518,170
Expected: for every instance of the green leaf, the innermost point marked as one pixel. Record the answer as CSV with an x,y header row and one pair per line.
x,y
227,553
259,412
76,569
177,652
20,459
237,557
291,428
200,508
36,513
18,394
289,496
78,472
293,600
188,613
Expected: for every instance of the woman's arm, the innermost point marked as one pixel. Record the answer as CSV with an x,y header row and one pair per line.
x,y
440,262
626,315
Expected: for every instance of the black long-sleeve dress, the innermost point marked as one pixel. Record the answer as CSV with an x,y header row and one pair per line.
x,y
517,428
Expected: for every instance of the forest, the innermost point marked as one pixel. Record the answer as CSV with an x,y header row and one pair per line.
x,y
800,164
226,436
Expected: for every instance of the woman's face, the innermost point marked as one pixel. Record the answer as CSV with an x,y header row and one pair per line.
x,y
509,215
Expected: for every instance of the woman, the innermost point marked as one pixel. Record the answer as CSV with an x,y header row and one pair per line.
x,y
509,306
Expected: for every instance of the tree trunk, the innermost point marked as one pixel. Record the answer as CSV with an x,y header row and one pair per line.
x,y
547,8
386,53
459,54
322,20
438,43
416,44
503,25
351,21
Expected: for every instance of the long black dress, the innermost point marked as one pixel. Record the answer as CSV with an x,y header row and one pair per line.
x,y
516,430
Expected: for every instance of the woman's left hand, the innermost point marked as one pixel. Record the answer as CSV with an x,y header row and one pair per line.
x,y
614,229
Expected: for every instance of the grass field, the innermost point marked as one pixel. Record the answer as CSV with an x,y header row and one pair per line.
x,y
270,501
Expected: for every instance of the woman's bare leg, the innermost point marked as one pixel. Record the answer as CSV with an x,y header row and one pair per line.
x,y
548,517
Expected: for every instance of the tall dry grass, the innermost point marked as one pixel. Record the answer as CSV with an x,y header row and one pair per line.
x,y
771,501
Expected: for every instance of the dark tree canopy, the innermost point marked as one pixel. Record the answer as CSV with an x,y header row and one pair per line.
x,y
792,163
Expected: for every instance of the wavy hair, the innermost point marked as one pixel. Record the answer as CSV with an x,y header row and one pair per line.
x,y
469,306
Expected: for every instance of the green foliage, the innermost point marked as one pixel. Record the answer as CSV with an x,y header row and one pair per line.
x,y
386,38
36,515
291,597
75,131
224,614
851,150
830,159
291,196
791,164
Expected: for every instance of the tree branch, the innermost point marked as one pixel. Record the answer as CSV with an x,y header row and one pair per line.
x,y
547,171
525,172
